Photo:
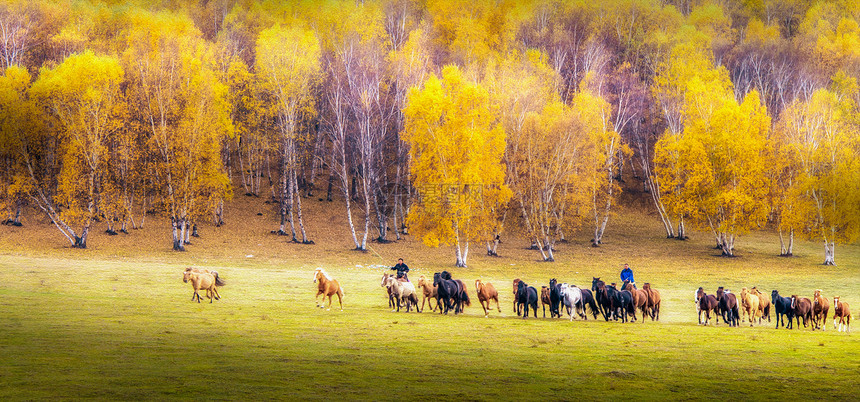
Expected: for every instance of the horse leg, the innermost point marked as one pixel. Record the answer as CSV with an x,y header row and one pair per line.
x,y
497,303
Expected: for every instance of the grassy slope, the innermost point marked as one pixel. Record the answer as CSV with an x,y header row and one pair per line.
x,y
115,321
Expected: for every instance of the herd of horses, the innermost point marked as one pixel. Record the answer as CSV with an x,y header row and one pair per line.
x,y
601,300
755,306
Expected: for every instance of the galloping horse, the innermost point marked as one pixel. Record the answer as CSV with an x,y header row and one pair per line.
x,y
622,302
728,306
447,292
782,306
527,296
640,298
802,309
462,293
429,292
545,300
603,300
403,292
653,301
841,312
516,306
486,292
200,280
749,302
706,303
820,308
571,296
327,287
218,281
554,298
764,305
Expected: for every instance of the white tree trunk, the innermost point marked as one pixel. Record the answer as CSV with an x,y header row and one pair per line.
x,y
829,253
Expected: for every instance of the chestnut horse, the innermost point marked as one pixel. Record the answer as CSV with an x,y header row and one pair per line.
x,y
820,308
486,292
545,300
327,287
200,280
749,304
653,304
842,313
640,298
764,305
516,306
429,292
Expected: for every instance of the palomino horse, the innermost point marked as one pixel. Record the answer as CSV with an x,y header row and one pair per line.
x,y
486,292
403,292
200,280
429,292
749,306
571,297
218,280
640,298
327,287
706,303
764,305
527,296
820,308
842,313
802,307
516,306
728,306
653,301
782,307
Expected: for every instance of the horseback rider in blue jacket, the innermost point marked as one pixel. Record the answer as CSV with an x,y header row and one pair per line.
x,y
627,274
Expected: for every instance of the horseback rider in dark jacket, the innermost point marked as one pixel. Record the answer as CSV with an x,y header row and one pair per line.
x,y
401,269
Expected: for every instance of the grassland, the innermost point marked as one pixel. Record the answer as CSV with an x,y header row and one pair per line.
x,y
116,322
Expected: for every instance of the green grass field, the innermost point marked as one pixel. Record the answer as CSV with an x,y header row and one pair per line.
x,y
116,322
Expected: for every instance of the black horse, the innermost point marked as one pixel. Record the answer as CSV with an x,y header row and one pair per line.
x,y
554,298
462,297
782,306
728,303
622,302
588,300
447,293
527,296
603,300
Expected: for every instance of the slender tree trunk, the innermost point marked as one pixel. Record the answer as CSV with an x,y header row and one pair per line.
x,y
829,253
786,246
682,229
177,237
17,220
295,192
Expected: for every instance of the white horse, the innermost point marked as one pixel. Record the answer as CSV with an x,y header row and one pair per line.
x,y
572,298
402,291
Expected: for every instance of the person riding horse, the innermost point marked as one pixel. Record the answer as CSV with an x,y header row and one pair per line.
x,y
627,274
401,269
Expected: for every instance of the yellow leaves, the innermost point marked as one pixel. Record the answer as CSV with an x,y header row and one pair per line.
x,y
288,59
456,147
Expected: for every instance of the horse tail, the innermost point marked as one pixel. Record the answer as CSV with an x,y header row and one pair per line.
x,y
218,280
464,295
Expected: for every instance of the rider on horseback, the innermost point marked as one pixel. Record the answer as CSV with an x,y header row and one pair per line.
x,y
401,269
627,274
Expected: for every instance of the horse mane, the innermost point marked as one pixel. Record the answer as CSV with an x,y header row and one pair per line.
x,y
446,275
325,274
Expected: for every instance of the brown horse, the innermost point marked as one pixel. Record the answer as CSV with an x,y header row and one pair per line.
x,y
429,292
842,313
516,306
218,280
820,308
706,303
487,292
200,280
764,306
749,306
545,299
640,298
653,301
327,287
